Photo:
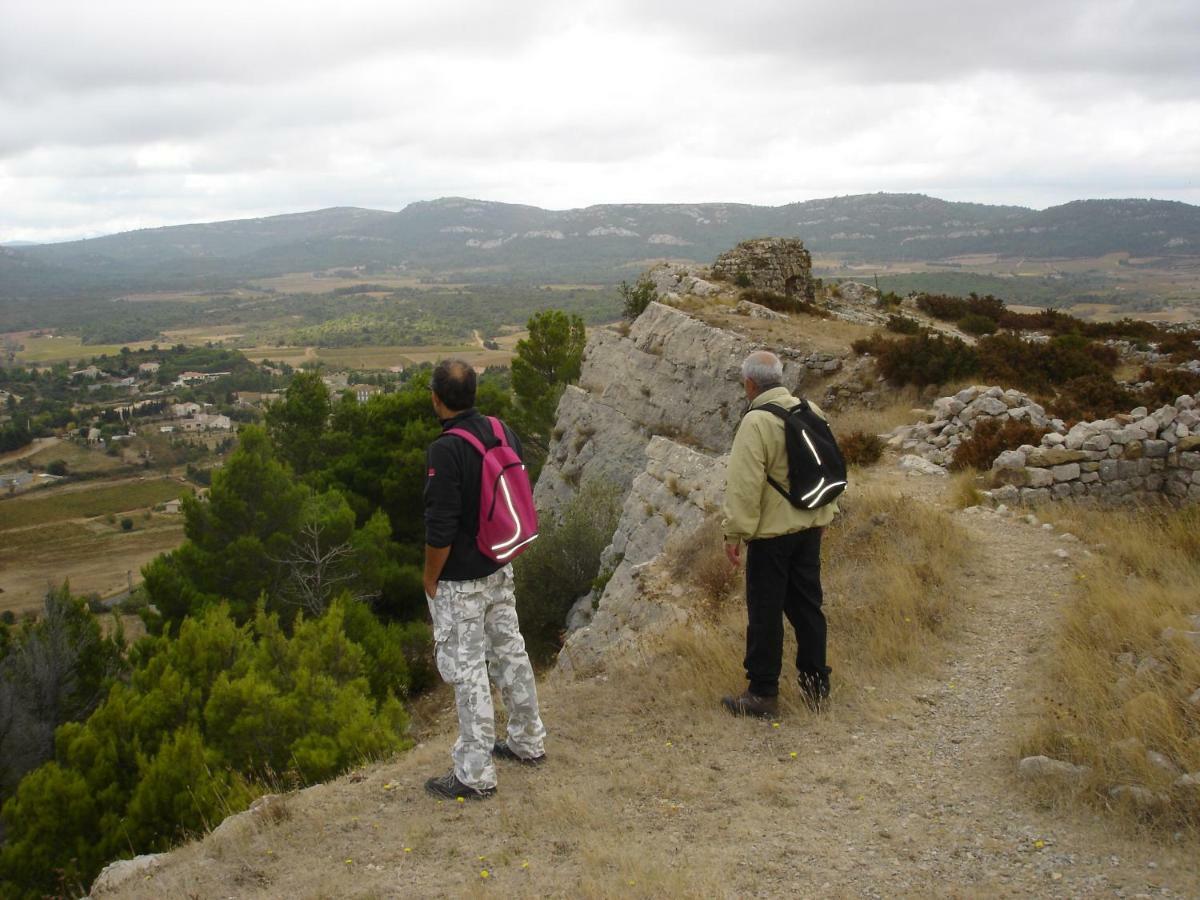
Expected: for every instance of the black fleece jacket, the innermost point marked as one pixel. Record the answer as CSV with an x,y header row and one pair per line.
x,y
453,470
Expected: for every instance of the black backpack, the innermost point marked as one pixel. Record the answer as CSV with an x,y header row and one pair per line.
x,y
816,467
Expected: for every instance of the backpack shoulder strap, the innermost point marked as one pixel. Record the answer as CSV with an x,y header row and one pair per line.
x,y
498,431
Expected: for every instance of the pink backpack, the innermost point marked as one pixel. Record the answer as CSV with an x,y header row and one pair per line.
x,y
507,518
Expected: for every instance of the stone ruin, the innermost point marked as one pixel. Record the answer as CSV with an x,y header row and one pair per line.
x,y
781,265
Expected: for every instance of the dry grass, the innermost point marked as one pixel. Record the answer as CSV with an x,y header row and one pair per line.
x,y
964,489
1122,685
898,410
890,573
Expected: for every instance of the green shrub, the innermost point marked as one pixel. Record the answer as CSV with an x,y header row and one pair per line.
x,y
860,448
635,299
925,359
975,324
561,565
127,524
742,279
903,325
990,437
203,722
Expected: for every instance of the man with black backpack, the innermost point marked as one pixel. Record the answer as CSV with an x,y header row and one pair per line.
x,y
785,473
474,526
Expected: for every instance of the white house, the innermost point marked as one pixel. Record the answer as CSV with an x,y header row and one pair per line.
x,y
149,368
183,410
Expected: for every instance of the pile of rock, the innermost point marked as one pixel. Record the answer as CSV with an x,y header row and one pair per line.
x,y
952,420
771,264
1122,458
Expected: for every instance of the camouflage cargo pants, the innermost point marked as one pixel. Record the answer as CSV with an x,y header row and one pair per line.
x,y
475,632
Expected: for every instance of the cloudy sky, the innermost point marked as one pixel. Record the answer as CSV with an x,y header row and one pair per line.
x,y
131,113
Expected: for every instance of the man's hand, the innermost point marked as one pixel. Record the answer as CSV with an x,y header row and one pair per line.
x,y
733,551
435,561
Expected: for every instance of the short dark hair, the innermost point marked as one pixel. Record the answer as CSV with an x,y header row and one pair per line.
x,y
454,384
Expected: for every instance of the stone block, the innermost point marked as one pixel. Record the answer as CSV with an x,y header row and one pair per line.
x,y
1155,449
1154,482
1134,450
1189,460
1089,477
1089,466
1036,496
1068,472
1097,442
1061,491
1038,478
1126,468
1108,469
1054,456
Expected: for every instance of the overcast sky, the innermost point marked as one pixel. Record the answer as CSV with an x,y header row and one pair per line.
x,y
131,113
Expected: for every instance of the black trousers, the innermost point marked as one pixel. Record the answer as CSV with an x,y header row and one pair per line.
x,y
783,578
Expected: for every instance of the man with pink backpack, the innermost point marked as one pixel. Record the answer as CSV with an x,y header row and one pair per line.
x,y
479,515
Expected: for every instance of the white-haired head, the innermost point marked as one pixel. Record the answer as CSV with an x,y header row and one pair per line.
x,y
763,368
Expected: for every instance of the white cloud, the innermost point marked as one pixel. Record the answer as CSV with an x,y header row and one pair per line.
x,y
133,113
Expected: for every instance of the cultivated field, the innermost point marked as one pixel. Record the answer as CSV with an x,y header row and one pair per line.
x,y
62,348
74,532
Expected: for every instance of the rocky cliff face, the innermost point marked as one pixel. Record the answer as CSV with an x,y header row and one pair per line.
x,y
654,414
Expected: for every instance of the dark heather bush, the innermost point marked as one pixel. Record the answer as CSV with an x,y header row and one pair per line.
x,y
976,324
860,448
990,438
1010,360
926,359
1091,397
1168,384
903,325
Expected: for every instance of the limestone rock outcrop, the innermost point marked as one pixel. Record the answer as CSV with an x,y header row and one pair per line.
x,y
672,376
654,414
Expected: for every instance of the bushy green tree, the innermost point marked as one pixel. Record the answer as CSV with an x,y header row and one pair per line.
x,y
298,421
548,360
205,717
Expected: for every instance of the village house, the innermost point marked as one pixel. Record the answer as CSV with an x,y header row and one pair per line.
x,y
149,368
215,422
364,392
87,372
183,410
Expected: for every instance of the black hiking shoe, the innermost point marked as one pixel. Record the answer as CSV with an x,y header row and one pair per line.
x,y
748,704
448,787
503,751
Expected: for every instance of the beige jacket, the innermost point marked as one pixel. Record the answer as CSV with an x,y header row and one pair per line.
x,y
753,509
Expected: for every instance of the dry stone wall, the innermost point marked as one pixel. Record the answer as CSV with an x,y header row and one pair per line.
x,y
953,420
1125,458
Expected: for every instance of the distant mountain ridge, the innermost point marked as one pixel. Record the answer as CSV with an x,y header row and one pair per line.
x,y
483,240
